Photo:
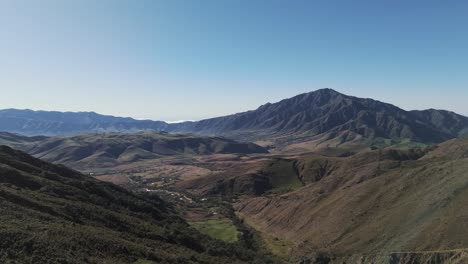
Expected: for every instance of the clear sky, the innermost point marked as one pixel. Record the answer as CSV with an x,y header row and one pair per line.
x,y
188,59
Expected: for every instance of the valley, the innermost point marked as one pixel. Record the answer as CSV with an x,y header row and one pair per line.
x,y
335,179
53,214
233,132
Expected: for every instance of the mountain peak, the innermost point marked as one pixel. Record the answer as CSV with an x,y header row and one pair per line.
x,y
332,114
321,92
325,90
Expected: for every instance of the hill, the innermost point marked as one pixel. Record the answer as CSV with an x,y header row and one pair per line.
x,y
52,123
110,149
326,118
382,206
51,214
15,140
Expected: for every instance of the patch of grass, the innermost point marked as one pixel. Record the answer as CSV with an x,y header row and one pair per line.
x,y
141,261
278,247
282,175
286,188
406,144
402,143
222,229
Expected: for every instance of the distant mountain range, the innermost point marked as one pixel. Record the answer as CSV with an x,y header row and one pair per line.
x,y
319,116
29,122
110,149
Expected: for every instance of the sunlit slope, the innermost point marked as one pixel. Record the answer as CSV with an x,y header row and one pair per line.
x,y
373,203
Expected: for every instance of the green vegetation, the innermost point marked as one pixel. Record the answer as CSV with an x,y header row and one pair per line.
x,y
245,235
400,143
278,247
51,214
282,175
222,229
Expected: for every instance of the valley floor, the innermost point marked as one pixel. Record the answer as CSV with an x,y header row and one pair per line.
x,y
382,206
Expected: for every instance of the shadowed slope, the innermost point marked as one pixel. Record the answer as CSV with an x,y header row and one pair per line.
x,y
51,214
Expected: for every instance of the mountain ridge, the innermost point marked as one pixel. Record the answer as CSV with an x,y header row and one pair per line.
x,y
328,111
52,123
324,113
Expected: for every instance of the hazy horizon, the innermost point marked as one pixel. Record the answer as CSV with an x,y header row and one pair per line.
x,y
180,60
191,120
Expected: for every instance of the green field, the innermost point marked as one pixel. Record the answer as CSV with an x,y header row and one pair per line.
x,y
222,229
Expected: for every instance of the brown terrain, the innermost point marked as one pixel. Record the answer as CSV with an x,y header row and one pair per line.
x,y
374,206
390,205
380,206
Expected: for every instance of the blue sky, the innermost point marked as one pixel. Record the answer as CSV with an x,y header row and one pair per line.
x,y
185,60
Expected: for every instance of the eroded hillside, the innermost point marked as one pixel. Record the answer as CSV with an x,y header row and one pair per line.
x,y
372,204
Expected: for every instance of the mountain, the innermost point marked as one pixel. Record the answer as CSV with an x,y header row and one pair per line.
x,y
28,122
110,149
328,116
319,119
381,206
51,214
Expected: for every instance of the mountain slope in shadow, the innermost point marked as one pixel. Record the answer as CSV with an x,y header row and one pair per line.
x,y
51,214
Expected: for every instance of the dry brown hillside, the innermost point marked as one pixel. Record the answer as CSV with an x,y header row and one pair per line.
x,y
373,204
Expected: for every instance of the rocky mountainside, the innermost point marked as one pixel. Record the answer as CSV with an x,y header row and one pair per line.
x,y
329,114
51,214
110,149
28,122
